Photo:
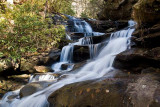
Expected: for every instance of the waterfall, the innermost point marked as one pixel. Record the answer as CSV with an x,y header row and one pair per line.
x,y
86,41
79,26
95,49
66,56
97,68
82,26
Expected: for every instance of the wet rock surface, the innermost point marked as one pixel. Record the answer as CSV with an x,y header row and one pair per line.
x,y
12,83
76,35
98,39
80,53
104,26
128,91
65,66
31,88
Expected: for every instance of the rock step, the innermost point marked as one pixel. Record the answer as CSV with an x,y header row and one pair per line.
x,y
81,53
34,87
100,37
103,26
137,59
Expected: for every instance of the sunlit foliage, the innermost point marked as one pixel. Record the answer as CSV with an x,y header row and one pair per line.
x,y
24,28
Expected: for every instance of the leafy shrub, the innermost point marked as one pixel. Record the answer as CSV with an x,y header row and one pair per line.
x,y
24,29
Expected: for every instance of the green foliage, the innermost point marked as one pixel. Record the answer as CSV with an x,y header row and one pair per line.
x,y
92,8
61,6
84,15
23,30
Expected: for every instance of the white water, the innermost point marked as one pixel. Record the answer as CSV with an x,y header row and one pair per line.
x,y
66,56
95,49
41,77
99,67
80,26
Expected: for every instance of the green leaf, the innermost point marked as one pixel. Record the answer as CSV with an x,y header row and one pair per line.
x,y
1,54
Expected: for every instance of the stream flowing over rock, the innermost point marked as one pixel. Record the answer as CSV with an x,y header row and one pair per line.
x,y
145,41
101,57
111,62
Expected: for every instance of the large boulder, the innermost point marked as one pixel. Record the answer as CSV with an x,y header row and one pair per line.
x,y
147,38
137,59
104,93
138,91
117,10
42,69
145,91
34,87
146,12
81,53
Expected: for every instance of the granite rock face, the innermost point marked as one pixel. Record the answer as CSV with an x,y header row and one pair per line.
x,y
117,10
146,12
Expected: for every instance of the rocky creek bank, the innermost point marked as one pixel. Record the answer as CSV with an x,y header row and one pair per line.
x,y
137,76
145,51
140,66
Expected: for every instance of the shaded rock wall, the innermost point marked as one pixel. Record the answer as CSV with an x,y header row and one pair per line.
x,y
145,50
146,12
137,59
103,26
117,10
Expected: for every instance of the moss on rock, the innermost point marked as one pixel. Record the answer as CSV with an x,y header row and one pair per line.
x,y
146,12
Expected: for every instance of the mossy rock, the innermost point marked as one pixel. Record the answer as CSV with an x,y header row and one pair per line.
x,y
146,12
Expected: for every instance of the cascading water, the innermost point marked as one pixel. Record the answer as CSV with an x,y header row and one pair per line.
x,y
80,26
95,49
101,66
40,77
66,56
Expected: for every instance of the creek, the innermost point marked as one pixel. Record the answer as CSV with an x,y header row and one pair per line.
x,y
102,56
